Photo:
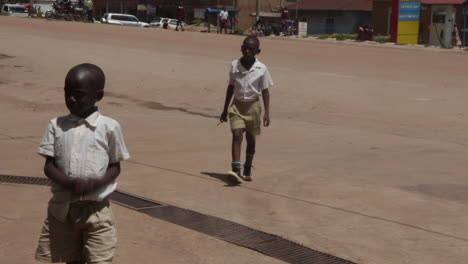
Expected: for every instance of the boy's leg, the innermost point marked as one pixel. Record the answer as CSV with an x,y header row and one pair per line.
x,y
249,156
100,237
237,135
59,242
235,173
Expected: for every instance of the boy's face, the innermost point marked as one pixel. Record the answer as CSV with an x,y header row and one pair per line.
x,y
80,94
250,49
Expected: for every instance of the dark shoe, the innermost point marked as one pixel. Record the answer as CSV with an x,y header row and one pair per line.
x,y
247,173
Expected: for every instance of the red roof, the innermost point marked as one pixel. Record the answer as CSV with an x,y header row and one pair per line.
x,y
443,2
352,5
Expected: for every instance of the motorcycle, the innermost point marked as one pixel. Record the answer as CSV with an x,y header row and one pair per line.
x,y
77,11
59,12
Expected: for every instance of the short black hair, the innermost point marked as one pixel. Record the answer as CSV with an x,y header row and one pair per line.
x,y
93,73
254,39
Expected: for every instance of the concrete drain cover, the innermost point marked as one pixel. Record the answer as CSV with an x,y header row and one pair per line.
x,y
265,243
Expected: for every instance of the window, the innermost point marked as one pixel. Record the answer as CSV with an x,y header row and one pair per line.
x,y
438,17
18,9
132,19
125,18
5,8
330,20
116,17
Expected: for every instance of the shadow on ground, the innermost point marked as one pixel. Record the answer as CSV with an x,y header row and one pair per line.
x,y
452,192
220,176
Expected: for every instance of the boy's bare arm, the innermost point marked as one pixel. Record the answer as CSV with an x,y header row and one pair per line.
x,y
85,185
266,102
56,175
229,93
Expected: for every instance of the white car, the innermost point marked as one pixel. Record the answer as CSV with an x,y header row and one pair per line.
x,y
123,20
171,23
14,10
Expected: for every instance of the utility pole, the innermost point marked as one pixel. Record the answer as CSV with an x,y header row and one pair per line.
x,y
257,11
297,9
394,20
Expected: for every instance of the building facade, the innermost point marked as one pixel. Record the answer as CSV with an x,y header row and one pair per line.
x,y
332,16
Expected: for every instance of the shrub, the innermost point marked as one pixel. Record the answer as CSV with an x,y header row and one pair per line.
x,y
382,38
337,36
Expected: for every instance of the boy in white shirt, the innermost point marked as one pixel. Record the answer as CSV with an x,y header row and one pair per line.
x,y
248,80
83,151
224,20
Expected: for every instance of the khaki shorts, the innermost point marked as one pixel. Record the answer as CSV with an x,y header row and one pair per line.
x,y
246,116
87,235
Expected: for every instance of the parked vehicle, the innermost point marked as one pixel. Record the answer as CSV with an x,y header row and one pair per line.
x,y
26,4
156,20
123,20
77,10
59,11
14,10
171,23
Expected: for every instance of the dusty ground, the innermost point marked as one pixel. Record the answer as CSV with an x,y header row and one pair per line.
x,y
365,158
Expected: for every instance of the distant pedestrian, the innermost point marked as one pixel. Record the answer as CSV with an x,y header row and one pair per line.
x,y
249,79
284,20
223,20
83,151
180,13
456,42
89,6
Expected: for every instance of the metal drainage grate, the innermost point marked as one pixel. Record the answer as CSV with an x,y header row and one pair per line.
x,y
132,201
265,243
24,180
121,198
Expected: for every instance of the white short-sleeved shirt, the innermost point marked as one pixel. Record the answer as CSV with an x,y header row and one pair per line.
x,y
249,84
83,148
223,15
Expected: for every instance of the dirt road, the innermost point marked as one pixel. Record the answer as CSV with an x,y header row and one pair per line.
x,y
365,158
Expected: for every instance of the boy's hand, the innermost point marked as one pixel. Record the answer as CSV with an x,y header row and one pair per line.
x,y
223,117
83,185
266,120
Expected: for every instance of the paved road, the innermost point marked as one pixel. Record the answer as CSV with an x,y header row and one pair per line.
x,y
365,157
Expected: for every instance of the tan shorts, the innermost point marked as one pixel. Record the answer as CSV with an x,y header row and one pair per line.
x,y
87,235
246,116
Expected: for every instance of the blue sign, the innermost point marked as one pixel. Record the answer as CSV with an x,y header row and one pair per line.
x,y
409,11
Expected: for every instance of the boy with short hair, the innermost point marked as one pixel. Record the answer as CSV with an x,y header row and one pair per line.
x,y
83,151
248,80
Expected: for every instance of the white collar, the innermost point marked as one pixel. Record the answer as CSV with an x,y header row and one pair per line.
x,y
240,68
91,120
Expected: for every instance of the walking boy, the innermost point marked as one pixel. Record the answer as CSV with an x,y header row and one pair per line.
x,y
248,80
83,151
180,13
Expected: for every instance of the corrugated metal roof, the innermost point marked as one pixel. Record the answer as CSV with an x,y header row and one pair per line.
x,y
352,5
443,2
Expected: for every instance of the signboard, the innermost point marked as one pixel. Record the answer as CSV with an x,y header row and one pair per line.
x,y
151,9
302,29
408,21
409,11
199,13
